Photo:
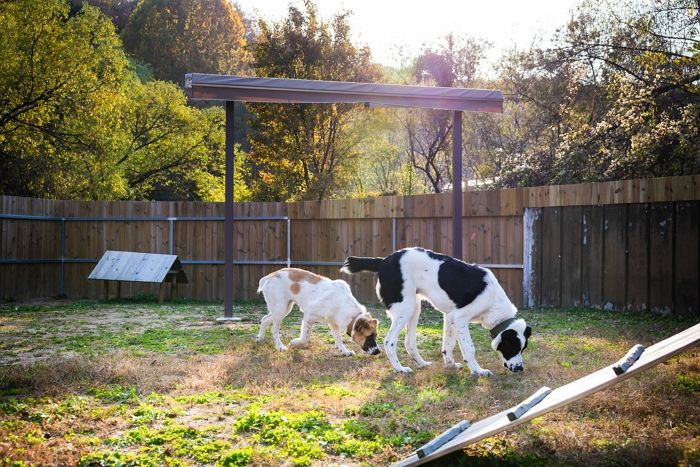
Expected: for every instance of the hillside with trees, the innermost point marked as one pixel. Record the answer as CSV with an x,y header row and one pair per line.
x,y
91,103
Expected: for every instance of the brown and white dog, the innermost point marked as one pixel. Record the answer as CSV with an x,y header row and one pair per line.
x,y
321,300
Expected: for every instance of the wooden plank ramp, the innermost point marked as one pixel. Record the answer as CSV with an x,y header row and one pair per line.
x,y
565,395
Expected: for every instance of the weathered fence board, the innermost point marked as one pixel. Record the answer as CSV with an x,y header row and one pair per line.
x,y
687,258
592,256
614,256
551,257
571,256
638,256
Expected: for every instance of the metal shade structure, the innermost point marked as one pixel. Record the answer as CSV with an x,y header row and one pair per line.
x,y
303,91
300,91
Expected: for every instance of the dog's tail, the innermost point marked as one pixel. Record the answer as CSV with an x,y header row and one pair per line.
x,y
263,281
355,264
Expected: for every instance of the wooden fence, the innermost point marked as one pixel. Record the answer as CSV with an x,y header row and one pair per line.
x,y
54,251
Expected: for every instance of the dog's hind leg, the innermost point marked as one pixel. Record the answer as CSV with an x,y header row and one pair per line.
x,y
264,324
449,340
276,317
335,332
273,308
410,339
400,314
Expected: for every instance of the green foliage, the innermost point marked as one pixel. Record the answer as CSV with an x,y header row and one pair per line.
x,y
111,459
615,98
116,393
183,36
306,436
687,383
77,122
60,85
304,151
236,458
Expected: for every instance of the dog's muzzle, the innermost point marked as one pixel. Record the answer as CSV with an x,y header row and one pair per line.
x,y
514,368
370,346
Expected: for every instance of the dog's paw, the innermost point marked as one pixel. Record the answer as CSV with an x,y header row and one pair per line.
x,y
482,372
297,343
281,348
403,369
453,366
347,353
424,364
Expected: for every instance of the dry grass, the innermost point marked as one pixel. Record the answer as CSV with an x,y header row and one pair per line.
x,y
122,378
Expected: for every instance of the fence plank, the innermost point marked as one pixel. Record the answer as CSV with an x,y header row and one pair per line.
x,y
661,257
637,256
592,256
615,257
571,255
551,257
687,259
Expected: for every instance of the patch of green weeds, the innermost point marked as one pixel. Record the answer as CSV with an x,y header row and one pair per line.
x,y
113,459
209,398
14,407
688,384
308,436
7,392
115,393
7,462
168,445
494,452
210,340
373,409
147,414
432,395
236,458
410,438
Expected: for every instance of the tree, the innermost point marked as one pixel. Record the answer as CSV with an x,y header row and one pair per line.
x,y
617,97
59,83
76,122
303,151
118,10
181,36
453,63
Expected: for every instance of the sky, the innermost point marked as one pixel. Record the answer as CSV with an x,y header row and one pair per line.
x,y
387,25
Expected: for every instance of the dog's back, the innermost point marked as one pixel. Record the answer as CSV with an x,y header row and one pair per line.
x,y
287,283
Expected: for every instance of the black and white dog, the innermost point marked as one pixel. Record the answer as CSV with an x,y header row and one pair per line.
x,y
464,292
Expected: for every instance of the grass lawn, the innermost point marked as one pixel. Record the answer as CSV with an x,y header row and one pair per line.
x,y
144,384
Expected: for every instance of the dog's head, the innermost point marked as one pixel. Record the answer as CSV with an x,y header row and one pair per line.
x,y
364,333
511,342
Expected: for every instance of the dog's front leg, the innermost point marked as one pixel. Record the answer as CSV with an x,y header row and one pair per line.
x,y
400,314
460,324
305,335
335,332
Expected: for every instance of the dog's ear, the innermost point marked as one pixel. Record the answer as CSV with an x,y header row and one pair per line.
x,y
528,332
376,322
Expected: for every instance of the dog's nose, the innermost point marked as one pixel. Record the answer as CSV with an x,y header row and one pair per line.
x,y
516,368
374,351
